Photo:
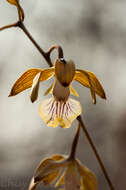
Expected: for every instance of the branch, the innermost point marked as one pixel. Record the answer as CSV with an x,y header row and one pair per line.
x,y
79,118
21,25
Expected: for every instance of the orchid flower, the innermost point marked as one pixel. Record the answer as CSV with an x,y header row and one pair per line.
x,y
60,108
71,174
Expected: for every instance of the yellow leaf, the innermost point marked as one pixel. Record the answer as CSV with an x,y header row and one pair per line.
x,y
64,71
82,78
26,80
35,87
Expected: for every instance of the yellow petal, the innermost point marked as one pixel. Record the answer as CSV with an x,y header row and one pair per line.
x,y
64,71
89,180
46,111
35,87
49,90
58,157
92,90
26,80
50,178
73,91
81,77
60,181
48,166
64,113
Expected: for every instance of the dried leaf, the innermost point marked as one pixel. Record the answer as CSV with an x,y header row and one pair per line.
x,y
35,87
64,71
82,78
26,80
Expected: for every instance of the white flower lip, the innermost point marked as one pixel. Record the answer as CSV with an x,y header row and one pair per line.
x,y
55,112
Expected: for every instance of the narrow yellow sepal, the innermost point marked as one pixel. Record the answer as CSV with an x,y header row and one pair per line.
x,y
73,91
49,90
91,82
26,80
35,88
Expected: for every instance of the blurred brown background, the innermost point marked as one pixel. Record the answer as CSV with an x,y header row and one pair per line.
x,y
93,34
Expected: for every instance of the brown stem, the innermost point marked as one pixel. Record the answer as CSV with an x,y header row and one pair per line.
x,y
59,48
20,12
79,118
9,26
47,54
74,144
20,24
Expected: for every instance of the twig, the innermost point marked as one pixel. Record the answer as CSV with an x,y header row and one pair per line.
x,y
21,25
9,26
79,118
